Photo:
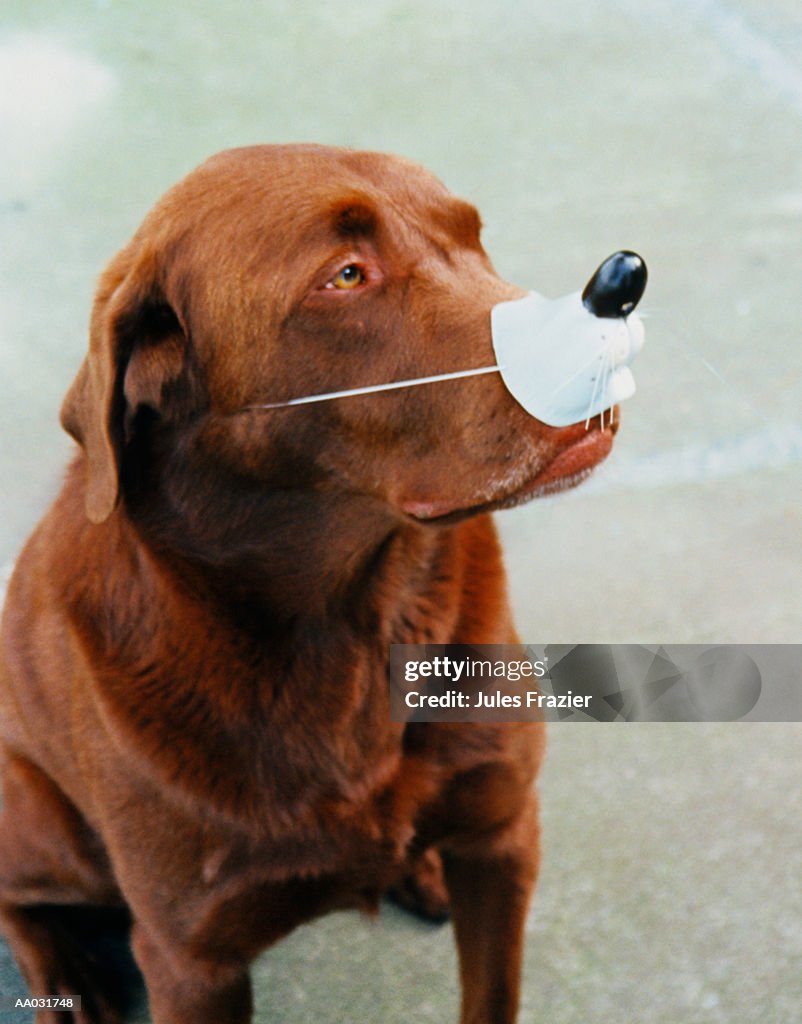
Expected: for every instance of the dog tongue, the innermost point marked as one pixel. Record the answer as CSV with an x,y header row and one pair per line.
x,y
566,360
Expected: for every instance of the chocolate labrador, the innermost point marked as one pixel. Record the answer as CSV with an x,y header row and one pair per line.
x,y
194,685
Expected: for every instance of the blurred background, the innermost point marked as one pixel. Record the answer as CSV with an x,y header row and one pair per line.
x,y
670,887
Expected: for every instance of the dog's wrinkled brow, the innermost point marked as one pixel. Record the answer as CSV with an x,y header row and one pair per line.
x,y
354,219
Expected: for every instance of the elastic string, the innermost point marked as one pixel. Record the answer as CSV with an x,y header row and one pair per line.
x,y
307,399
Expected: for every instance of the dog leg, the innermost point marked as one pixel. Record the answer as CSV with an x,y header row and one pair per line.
x,y
183,989
50,864
490,891
59,960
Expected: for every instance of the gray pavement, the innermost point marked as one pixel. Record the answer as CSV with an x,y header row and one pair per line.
x,y
670,889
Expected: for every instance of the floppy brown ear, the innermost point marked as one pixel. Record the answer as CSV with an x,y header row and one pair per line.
x,y
136,345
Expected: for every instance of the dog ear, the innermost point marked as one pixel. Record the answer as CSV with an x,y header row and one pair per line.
x,y
137,345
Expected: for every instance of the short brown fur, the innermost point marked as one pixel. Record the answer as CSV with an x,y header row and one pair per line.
x,y
194,695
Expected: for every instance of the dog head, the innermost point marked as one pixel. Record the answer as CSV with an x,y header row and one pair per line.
x,y
275,271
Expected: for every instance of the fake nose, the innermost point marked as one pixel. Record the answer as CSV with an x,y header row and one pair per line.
x,y
567,360
617,286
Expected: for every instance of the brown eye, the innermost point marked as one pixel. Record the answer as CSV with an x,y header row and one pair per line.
x,y
349,277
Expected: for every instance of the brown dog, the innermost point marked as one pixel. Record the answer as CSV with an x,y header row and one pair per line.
x,y
194,695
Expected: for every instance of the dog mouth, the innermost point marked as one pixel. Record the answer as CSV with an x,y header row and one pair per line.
x,y
572,464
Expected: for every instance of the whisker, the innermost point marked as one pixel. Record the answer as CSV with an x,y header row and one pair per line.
x,y
573,376
605,382
608,376
680,341
599,375
608,373
709,366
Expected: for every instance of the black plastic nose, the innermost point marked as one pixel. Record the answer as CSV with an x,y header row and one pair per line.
x,y
617,286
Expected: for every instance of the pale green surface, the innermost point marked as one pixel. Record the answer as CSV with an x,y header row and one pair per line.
x,y
671,888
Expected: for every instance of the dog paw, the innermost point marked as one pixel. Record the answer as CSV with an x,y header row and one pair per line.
x,y
423,890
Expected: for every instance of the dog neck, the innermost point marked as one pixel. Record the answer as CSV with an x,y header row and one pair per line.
x,y
297,556
283,545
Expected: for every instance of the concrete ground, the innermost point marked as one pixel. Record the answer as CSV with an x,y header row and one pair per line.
x,y
673,853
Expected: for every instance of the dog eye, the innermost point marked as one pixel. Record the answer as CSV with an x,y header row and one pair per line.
x,y
349,277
